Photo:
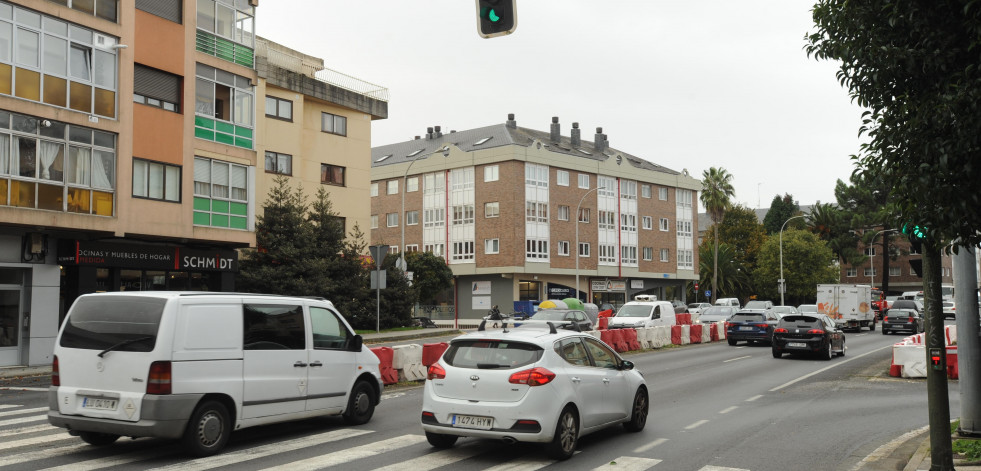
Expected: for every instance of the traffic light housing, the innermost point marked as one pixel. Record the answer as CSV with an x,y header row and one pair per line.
x,y
916,234
496,17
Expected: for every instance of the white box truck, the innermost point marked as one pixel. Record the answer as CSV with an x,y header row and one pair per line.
x,y
849,305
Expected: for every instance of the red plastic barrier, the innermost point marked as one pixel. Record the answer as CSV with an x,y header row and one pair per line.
x,y
895,370
695,333
606,313
385,356
676,334
713,332
952,371
604,322
683,318
432,351
630,335
607,337
620,341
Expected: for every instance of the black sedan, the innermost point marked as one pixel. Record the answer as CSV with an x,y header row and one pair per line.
x,y
751,326
808,333
906,320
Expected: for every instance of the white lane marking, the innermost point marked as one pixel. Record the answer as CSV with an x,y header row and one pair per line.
x,y
696,424
23,420
887,449
720,468
114,460
728,409
29,429
24,411
650,445
43,454
739,358
35,440
439,459
247,454
393,395
826,368
8,406
754,398
523,465
629,463
23,388
350,454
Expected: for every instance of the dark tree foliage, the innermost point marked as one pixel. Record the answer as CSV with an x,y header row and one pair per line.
x,y
734,277
831,225
742,231
781,209
914,65
806,263
431,275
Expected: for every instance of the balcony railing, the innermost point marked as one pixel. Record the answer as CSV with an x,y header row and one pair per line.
x,y
318,72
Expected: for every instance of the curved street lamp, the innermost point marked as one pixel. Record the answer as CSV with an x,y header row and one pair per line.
x,y
872,259
781,284
578,206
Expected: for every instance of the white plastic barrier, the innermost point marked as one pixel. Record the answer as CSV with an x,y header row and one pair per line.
x,y
408,361
950,333
644,338
662,336
721,325
912,358
707,333
685,334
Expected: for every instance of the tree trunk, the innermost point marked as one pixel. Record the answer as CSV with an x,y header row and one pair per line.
x,y
715,265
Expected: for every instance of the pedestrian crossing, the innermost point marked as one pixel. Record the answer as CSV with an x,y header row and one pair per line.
x,y
28,442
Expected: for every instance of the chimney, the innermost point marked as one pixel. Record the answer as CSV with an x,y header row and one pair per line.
x,y
575,135
599,143
429,133
554,134
438,132
511,123
418,137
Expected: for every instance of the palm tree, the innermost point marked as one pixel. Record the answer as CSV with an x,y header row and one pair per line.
x,y
717,189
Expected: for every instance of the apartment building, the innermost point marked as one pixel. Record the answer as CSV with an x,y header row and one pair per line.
x,y
901,275
527,215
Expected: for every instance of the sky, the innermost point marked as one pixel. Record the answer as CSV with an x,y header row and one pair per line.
x,y
687,84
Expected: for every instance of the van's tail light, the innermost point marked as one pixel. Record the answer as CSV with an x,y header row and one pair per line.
x,y
816,331
436,372
158,381
55,376
533,377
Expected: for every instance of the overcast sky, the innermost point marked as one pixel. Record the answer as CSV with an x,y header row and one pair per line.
x,y
688,84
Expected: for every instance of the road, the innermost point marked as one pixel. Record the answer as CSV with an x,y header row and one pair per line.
x,y
713,407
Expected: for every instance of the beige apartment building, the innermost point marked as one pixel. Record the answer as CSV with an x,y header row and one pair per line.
x,y
520,215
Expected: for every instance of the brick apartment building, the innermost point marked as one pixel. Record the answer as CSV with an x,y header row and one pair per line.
x,y
499,203
901,275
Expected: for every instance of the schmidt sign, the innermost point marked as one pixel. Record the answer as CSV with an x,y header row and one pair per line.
x,y
148,257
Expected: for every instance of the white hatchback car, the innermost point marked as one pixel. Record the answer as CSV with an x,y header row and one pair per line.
x,y
542,385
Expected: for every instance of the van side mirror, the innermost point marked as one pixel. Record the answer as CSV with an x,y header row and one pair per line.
x,y
355,344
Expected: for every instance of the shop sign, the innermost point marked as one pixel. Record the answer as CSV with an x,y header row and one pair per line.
x,y
608,285
148,257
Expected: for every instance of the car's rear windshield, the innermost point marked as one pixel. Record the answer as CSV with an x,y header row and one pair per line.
x,y
634,311
747,317
800,321
128,323
755,305
553,315
491,354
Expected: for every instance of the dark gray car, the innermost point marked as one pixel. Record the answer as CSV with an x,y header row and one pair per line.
x,y
906,320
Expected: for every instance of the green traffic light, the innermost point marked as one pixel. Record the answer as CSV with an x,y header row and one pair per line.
x,y
914,230
489,14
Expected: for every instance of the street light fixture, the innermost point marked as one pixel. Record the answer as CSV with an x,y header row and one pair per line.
x,y
872,259
781,284
401,261
578,206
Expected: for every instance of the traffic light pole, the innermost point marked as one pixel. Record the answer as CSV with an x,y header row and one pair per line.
x,y
968,341
941,451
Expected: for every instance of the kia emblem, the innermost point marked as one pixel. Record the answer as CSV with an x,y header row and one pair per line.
x,y
474,377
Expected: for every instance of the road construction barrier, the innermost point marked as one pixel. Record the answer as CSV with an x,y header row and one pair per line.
x,y
909,355
630,337
683,318
385,356
408,361
432,351
695,333
603,323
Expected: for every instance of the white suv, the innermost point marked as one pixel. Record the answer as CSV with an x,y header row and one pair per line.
x,y
543,385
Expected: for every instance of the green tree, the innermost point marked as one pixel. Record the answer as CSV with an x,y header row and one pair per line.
x,y
807,262
781,209
830,225
431,275
733,276
865,205
741,230
716,195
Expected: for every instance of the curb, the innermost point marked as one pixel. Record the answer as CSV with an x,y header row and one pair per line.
x,y
921,454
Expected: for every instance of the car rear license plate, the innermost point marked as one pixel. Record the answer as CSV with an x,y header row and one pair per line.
x,y
99,403
471,421
797,344
745,328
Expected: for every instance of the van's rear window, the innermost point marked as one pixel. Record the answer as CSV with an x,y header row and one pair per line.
x,y
129,323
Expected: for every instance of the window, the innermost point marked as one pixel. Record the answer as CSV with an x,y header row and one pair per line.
x,y
628,189
645,191
221,194
279,163
562,248
584,215
332,174
226,97
166,9
273,327
628,254
665,255
412,184
563,213
157,88
562,178
374,221
461,178
870,251
333,124
663,224
229,19
374,189
648,253
412,218
392,219
607,254
411,248
105,9
869,272
158,181
536,249
851,272
685,259
463,214
684,228
492,210
536,175
462,251
393,187
492,246
648,222
584,249
895,271
628,222
279,108
662,193
536,212
435,249
684,197
435,217
606,220
329,332
584,181
607,186
491,173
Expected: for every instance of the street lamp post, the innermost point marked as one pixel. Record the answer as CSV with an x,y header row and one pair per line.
x,y
781,284
578,206
872,259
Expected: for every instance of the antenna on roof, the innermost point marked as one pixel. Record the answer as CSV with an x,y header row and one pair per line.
x,y
480,328
551,328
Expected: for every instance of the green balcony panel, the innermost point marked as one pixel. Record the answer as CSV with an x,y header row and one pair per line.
x,y
202,204
227,128
202,219
243,132
238,223
243,143
239,209
219,206
204,134
224,139
202,122
219,220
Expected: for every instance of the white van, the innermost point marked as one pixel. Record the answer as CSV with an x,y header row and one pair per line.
x,y
728,302
196,366
644,311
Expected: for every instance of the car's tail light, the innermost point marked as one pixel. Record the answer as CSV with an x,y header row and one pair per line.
x,y
885,319
55,376
158,381
727,325
762,326
533,377
780,330
435,372
910,319
816,331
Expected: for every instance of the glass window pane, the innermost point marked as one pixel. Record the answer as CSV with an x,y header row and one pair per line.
x,y
243,109
204,98
270,106
139,178
53,25
105,103
29,18
22,194
226,21
103,170
105,139
173,180
24,160
103,203
81,62
286,109
80,134
28,84
6,41
27,47
55,55
206,15
77,33
155,181
6,11
50,197
106,9
84,6
80,98
6,82
105,69
52,159
79,201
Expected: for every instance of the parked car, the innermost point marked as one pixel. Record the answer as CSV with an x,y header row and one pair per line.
x,y
757,305
751,326
530,385
906,320
807,309
679,307
727,302
784,310
559,316
696,308
713,314
808,333
949,309
907,304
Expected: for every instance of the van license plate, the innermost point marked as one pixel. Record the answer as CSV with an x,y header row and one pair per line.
x,y
470,421
98,403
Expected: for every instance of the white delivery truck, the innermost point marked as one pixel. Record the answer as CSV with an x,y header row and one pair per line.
x,y
849,305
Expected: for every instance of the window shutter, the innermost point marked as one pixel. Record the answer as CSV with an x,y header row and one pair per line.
x,y
166,9
156,84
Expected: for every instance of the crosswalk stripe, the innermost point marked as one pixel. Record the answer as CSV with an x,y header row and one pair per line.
x,y
42,454
720,468
247,454
650,445
23,411
36,440
523,465
28,429
114,460
629,463
355,453
8,406
23,420
438,459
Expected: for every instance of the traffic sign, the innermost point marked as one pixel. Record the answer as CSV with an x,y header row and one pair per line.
x,y
708,293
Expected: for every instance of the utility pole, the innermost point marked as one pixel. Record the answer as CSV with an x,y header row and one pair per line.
x,y
968,344
941,448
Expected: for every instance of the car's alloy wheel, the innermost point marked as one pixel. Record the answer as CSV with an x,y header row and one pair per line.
x,y
563,443
638,416
827,352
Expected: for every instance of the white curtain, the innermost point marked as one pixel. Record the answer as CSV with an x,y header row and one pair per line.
x,y
15,157
101,171
79,165
49,153
4,153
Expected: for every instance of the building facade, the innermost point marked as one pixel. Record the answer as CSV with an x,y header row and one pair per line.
x,y
901,275
522,215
